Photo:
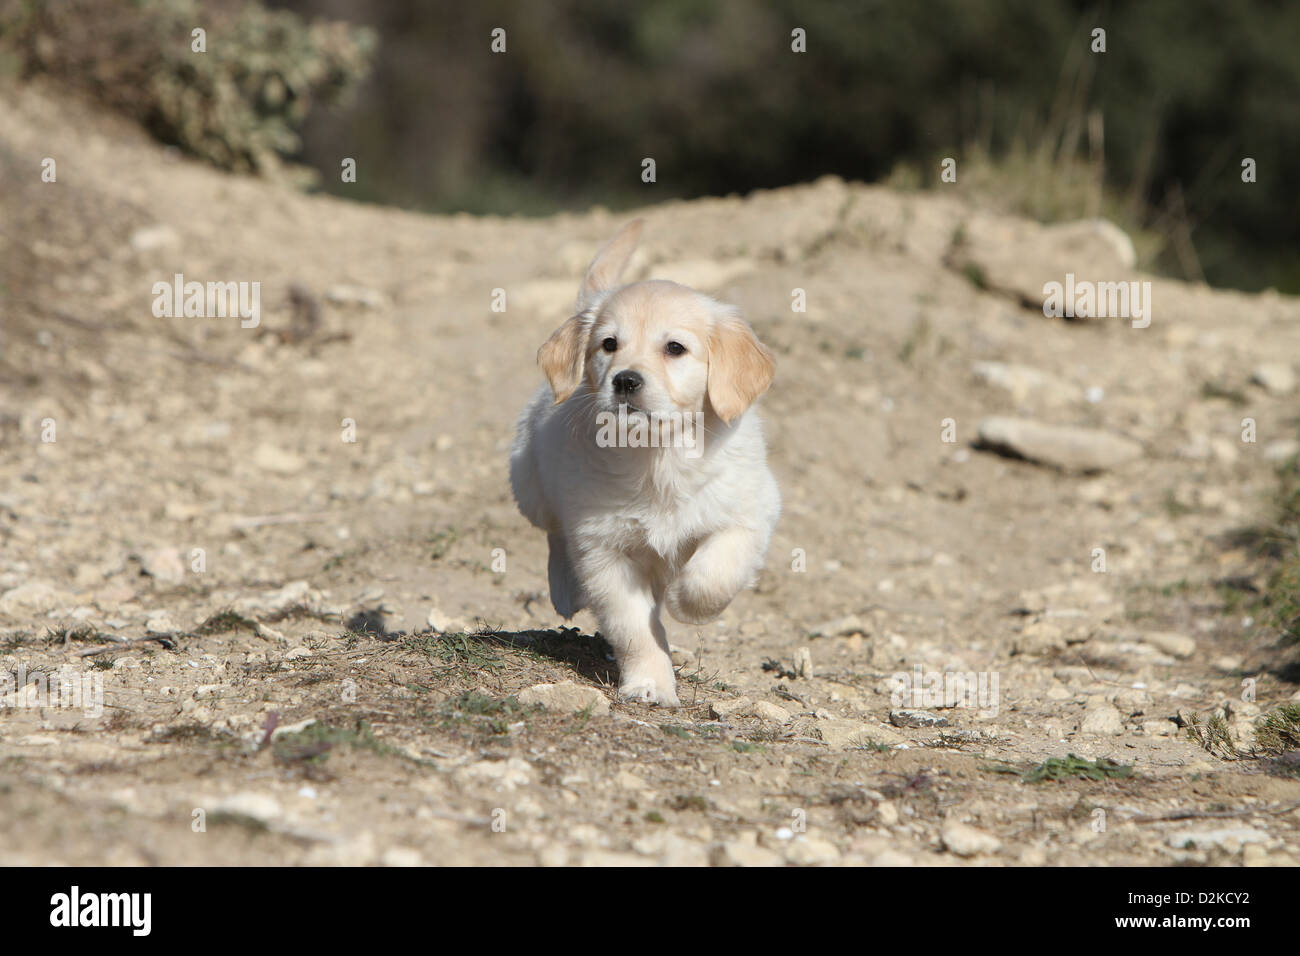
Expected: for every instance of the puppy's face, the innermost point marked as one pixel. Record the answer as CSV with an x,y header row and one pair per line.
x,y
648,350
654,348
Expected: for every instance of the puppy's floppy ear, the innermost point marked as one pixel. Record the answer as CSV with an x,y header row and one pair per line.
x,y
564,354
740,366
605,269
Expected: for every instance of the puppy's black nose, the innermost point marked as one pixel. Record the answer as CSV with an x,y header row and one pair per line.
x,y
627,382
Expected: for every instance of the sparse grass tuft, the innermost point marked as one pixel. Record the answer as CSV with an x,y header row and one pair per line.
x,y
461,653
480,712
1213,734
1234,396
1279,731
1074,767
224,621
313,743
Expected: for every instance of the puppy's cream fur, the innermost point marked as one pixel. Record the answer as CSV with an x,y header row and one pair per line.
x,y
636,530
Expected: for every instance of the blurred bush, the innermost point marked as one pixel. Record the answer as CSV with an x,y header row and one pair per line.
x,y
237,105
1152,131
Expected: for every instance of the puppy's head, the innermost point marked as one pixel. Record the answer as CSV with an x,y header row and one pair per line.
x,y
655,348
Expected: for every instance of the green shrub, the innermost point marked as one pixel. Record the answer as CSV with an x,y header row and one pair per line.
x,y
237,104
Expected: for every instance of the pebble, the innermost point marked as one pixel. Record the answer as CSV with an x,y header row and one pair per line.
x,y
1179,645
154,237
810,851
1102,721
1276,378
1228,837
770,712
33,596
967,841
722,709
1059,446
916,718
259,807
566,697
401,856
502,774
276,460
163,564
1021,381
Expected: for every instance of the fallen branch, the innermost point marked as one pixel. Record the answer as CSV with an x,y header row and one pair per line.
x,y
122,645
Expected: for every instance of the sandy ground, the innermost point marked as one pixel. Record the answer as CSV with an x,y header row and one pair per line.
x,y
201,492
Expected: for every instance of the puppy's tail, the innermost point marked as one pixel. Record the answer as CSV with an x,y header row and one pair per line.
x,y
566,593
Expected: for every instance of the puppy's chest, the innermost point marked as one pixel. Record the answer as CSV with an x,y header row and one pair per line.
x,y
667,529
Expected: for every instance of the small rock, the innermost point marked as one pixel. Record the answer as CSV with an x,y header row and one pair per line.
x,y
294,594
625,780
257,807
771,712
1130,701
741,852
501,774
31,597
1059,446
1276,378
1178,645
154,237
275,459
842,627
965,840
671,849
722,709
160,623
294,728
681,657
442,623
1039,637
401,856
163,564
916,718
1102,721
1021,381
1281,450
566,697
355,295
809,851
892,859
840,732
1229,838
1158,728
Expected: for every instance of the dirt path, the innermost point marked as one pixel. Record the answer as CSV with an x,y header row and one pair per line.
x,y
330,558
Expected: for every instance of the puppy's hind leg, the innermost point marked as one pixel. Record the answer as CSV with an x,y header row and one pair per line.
x,y
622,595
567,596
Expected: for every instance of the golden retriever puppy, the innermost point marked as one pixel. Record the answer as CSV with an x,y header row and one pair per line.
x,y
644,462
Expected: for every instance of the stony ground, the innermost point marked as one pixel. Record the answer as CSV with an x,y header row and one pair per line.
x,y
317,650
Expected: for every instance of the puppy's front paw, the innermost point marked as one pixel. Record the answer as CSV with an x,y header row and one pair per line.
x,y
690,603
647,688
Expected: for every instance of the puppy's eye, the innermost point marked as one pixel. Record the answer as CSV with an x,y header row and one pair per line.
x,y
610,344
675,348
